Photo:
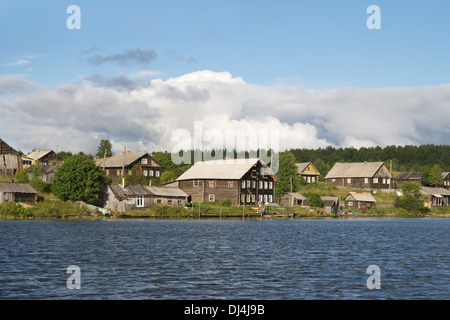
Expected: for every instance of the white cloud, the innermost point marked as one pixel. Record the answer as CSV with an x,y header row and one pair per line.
x,y
17,63
144,114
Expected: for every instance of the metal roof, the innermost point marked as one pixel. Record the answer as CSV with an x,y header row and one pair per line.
x,y
230,169
362,196
16,187
355,170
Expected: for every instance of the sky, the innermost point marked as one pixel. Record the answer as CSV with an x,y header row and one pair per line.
x,y
163,75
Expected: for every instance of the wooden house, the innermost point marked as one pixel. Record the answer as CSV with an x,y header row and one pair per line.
x,y
359,200
17,192
364,175
436,197
10,160
137,197
403,177
45,157
47,172
292,199
308,172
446,177
330,204
241,181
121,164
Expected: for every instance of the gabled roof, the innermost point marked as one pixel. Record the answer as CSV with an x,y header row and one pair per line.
x,y
118,160
436,192
6,148
329,201
166,191
361,196
444,175
409,176
296,195
231,169
16,187
354,170
38,154
301,166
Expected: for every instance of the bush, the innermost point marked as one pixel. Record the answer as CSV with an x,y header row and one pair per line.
x,y
314,199
12,210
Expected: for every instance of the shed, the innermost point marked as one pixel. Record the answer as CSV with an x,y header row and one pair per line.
x,y
437,197
291,199
359,200
17,192
330,204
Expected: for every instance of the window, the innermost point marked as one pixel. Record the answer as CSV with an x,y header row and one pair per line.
x,y
265,184
145,173
248,198
253,184
350,203
140,201
253,198
308,179
265,198
242,198
195,183
144,161
349,180
212,198
270,185
270,198
388,180
243,184
179,201
230,184
260,185
169,201
151,173
260,198
158,201
366,180
384,180
375,180
157,173
248,183
211,184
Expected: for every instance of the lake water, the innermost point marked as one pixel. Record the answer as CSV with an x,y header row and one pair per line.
x,y
226,259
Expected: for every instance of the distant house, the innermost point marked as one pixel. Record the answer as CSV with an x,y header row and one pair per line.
x,y
330,204
47,172
10,160
242,181
436,197
359,200
136,197
366,175
17,192
403,177
45,157
292,199
115,165
446,177
308,171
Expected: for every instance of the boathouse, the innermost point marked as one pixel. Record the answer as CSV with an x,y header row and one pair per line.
x,y
17,192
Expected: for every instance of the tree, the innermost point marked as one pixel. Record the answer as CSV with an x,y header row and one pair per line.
x,y
79,179
168,176
314,199
433,177
105,145
287,174
136,176
411,200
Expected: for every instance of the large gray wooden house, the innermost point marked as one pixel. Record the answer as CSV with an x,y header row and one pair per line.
x,y
10,160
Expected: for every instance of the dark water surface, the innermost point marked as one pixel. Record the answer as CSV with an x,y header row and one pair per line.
x,y
226,259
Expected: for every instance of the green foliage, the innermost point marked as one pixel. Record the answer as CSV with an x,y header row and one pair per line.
x,y
64,155
36,179
79,179
168,176
105,146
136,176
432,177
12,210
287,174
314,199
412,200
226,203
22,176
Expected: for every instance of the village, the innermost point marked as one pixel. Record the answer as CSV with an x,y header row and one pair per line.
x,y
223,188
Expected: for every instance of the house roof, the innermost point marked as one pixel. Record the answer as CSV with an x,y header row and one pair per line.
x,y
444,175
296,195
354,170
329,200
118,160
16,187
6,148
139,190
38,154
409,176
301,166
45,169
231,169
436,192
362,196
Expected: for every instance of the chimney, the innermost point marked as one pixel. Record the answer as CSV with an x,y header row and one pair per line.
x,y
128,151
38,150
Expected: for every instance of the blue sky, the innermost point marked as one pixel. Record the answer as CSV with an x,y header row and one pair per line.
x,y
268,55
319,44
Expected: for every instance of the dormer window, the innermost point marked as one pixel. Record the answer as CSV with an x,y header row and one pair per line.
x,y
144,161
